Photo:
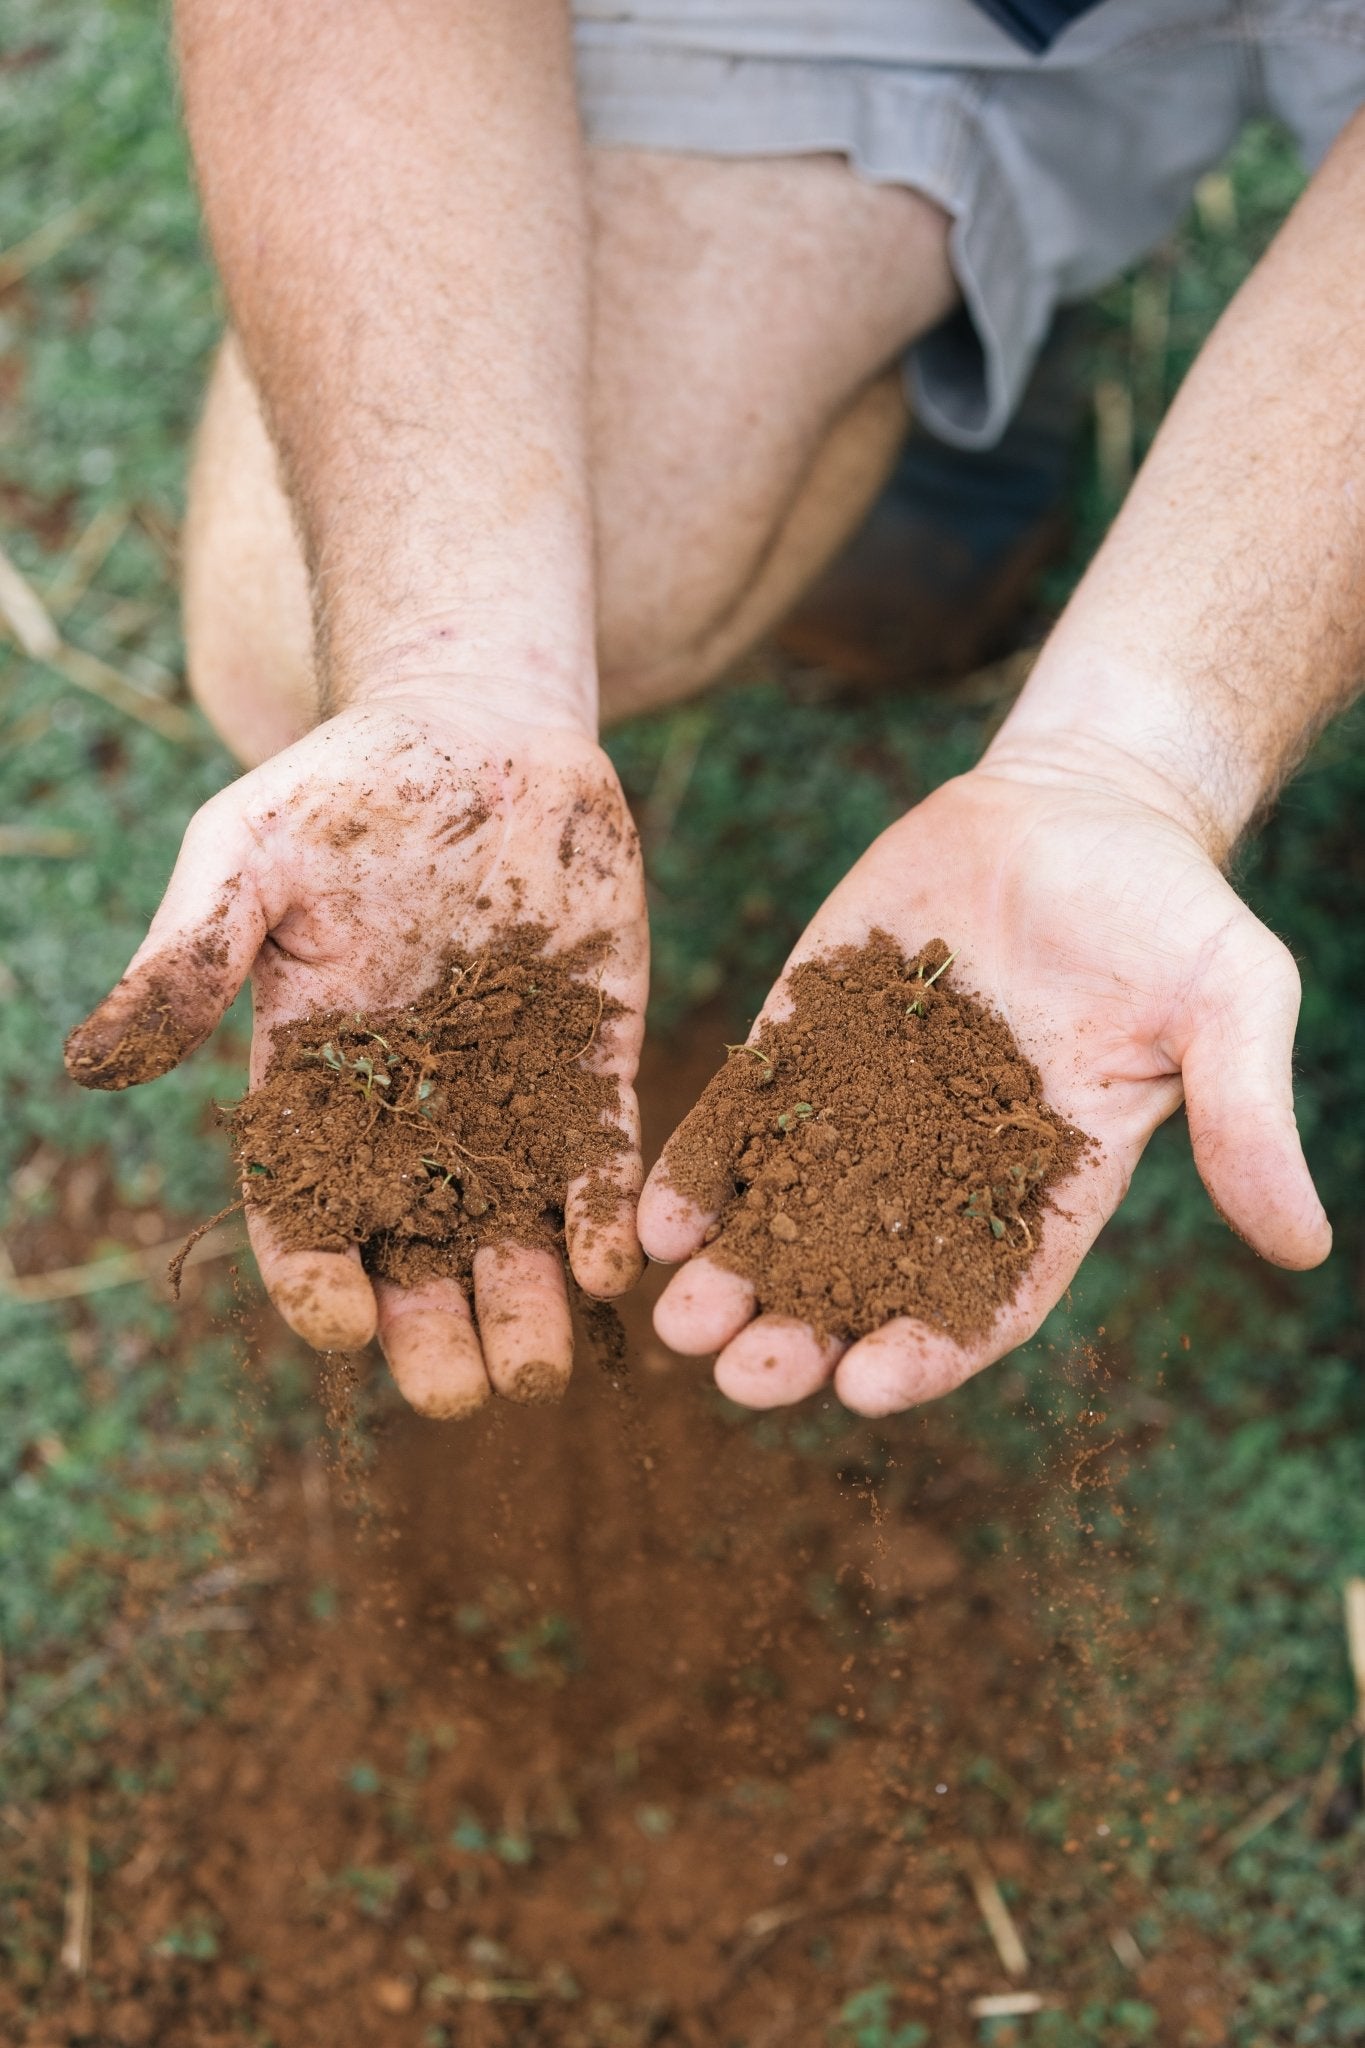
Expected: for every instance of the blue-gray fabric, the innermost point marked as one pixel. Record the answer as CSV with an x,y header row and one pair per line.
x,y
1057,170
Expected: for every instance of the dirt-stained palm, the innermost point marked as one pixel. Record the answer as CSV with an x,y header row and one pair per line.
x,y
1134,977
338,875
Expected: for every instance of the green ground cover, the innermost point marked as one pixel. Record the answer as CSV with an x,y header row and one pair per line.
x,y
120,1458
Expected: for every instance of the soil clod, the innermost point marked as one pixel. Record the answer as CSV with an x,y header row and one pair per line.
x,y
422,1133
883,1151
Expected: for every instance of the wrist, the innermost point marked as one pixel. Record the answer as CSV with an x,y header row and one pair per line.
x,y
484,662
1134,733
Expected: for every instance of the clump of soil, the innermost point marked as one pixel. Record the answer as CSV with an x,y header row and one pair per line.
x,y
424,1132
884,1151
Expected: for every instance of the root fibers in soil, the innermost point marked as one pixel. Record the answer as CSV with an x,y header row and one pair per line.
x,y
422,1133
885,1150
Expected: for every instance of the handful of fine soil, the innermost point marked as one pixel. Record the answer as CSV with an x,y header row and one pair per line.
x,y
885,1151
422,1133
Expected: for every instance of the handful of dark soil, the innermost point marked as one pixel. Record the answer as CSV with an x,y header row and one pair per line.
x,y
886,1151
422,1133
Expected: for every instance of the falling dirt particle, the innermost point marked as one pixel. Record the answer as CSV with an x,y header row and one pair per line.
x,y
394,1995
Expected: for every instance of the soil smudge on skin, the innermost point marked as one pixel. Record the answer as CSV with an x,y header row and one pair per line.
x,y
424,1132
883,1151
157,1016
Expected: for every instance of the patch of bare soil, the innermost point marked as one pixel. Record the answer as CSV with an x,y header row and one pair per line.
x,y
885,1150
628,1722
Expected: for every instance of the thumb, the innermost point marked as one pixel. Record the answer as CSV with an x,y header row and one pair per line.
x,y
196,955
1239,1100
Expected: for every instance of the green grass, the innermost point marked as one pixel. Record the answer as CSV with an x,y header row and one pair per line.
x,y
120,1458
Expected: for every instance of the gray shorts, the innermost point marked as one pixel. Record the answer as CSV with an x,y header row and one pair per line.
x,y
1057,171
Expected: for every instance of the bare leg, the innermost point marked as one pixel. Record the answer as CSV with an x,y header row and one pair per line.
x,y
746,407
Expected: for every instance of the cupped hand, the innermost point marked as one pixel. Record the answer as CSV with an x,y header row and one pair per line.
x,y
338,876
1132,975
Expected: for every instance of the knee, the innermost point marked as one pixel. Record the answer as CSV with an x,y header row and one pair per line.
x,y
645,662
248,629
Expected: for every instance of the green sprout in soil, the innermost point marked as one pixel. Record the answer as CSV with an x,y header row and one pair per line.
x,y
798,1113
362,1068
981,1207
769,1074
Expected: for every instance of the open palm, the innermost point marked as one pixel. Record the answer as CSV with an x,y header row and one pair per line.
x,y
338,876
1133,976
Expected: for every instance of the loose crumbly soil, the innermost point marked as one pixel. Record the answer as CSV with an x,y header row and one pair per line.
x,y
625,1723
885,1150
422,1133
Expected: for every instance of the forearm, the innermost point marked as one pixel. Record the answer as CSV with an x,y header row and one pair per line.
x,y
1223,621
395,197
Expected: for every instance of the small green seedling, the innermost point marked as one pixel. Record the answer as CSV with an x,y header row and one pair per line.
x,y
981,1209
796,1114
366,1078
769,1074
362,1069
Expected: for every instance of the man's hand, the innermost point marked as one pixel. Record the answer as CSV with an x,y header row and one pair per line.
x,y
1130,972
337,876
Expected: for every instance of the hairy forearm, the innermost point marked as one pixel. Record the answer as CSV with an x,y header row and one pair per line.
x,y
1223,621
395,197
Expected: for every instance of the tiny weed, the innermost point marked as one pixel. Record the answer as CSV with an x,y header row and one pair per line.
x,y
469,1834
866,2021
193,1941
769,1074
798,1113
364,1074
374,1888
654,1821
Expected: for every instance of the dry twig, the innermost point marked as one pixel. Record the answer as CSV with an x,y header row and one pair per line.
x,y
38,842
1009,2005
28,619
1126,1948
47,240
1355,1646
101,679
76,1930
996,1914
175,1271
86,557
25,613
123,1269
1279,1803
